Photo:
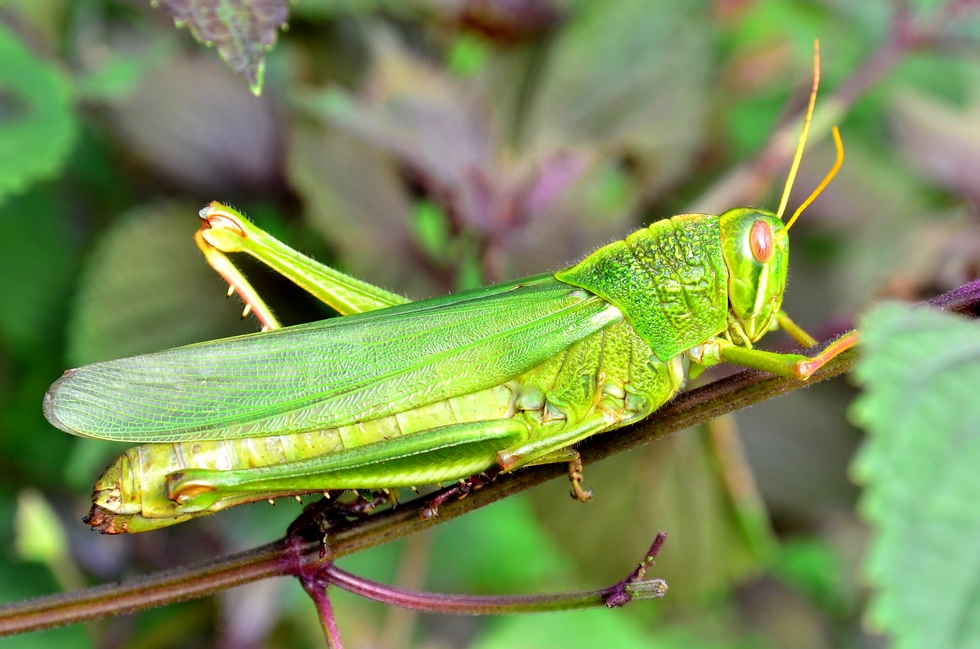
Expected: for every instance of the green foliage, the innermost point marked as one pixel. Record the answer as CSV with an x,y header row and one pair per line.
x,y
40,535
241,30
816,570
468,56
36,123
37,259
505,530
431,228
920,373
578,630
612,75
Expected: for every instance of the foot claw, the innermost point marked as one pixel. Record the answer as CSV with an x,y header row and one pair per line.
x,y
580,494
575,477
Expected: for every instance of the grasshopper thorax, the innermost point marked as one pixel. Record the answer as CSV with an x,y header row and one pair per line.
x,y
755,246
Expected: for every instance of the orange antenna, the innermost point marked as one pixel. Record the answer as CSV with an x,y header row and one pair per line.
x,y
826,181
806,128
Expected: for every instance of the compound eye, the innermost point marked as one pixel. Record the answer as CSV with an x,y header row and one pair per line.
x,y
760,241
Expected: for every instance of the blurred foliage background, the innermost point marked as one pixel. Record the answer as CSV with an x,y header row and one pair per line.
x,y
434,145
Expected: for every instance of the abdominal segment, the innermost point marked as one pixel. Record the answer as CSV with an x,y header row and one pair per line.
x,y
135,485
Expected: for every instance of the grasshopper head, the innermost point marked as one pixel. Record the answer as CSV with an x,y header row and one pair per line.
x,y
755,245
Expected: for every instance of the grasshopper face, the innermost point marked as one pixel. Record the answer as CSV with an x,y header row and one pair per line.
x,y
755,246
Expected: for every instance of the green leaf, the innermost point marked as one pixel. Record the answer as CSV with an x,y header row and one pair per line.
x,y
592,628
37,125
242,30
815,568
37,265
580,629
431,229
920,371
468,55
40,536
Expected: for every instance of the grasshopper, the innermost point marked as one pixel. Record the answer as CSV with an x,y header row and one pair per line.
x,y
399,393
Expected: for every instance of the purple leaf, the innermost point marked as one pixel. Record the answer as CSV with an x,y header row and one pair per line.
x,y
942,140
554,177
355,198
242,30
219,142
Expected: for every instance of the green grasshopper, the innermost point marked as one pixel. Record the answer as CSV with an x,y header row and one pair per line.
x,y
399,393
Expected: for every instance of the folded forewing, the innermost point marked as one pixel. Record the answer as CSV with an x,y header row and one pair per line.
x,y
328,373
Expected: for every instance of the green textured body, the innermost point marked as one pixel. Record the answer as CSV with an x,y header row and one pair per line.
x,y
669,280
425,392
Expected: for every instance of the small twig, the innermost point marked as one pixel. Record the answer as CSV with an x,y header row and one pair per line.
x,y
624,592
312,575
157,589
317,577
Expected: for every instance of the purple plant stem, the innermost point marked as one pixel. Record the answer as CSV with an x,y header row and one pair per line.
x,y
616,595
324,611
312,576
141,593
622,593
462,604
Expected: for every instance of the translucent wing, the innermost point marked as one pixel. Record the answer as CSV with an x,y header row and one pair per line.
x,y
328,373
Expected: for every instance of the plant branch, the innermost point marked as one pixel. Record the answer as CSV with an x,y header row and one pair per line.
x,y
292,555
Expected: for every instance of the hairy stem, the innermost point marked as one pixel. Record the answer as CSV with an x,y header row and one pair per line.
x,y
324,610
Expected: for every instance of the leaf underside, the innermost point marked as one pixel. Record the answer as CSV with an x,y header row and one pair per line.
x,y
921,372
241,30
